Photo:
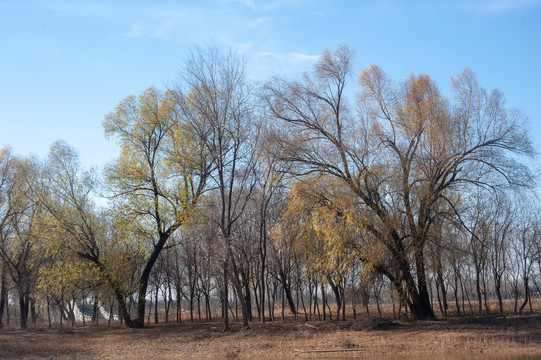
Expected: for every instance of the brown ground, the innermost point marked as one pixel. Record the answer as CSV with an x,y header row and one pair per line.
x,y
493,335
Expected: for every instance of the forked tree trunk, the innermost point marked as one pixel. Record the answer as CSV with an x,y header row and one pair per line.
x,y
526,295
443,292
287,289
238,287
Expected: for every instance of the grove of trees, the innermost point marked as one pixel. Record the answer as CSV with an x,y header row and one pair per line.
x,y
306,196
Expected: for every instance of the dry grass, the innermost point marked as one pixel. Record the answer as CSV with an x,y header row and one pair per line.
x,y
496,335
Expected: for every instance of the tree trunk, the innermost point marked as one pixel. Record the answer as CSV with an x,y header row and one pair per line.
x,y
303,306
283,307
439,298
310,298
272,298
167,300
455,289
156,304
3,298
485,296
336,290
316,305
199,306
421,300
24,306
478,290
139,321
247,295
263,257
287,289
192,297
515,293
225,295
497,288
49,311
207,307
443,292
123,309
238,286
526,295
257,289
420,307
95,310
323,302
179,304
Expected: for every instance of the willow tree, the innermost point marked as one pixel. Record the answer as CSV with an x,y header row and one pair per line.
x,y
319,220
78,249
20,233
159,176
406,149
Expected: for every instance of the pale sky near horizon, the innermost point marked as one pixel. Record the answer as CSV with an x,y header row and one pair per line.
x,y
65,64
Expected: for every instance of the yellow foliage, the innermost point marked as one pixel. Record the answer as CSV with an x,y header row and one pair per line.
x,y
319,219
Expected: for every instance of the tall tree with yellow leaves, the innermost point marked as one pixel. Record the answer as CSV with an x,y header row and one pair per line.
x,y
19,232
159,176
82,244
319,219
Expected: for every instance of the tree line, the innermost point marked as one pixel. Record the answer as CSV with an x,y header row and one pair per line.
x,y
290,194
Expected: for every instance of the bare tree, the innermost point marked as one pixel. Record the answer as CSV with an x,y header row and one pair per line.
x,y
527,234
269,197
216,100
501,223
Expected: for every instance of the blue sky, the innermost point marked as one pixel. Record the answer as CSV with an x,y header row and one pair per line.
x,y
65,64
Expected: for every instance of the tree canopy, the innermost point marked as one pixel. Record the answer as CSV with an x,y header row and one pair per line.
x,y
230,190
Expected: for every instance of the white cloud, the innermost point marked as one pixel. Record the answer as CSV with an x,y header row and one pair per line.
x,y
295,57
267,63
291,57
188,23
260,21
167,22
191,23
248,27
136,31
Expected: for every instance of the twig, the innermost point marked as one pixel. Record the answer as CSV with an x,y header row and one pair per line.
x,y
326,351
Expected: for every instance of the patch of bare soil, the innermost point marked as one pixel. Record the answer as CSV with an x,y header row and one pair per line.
x,y
369,336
